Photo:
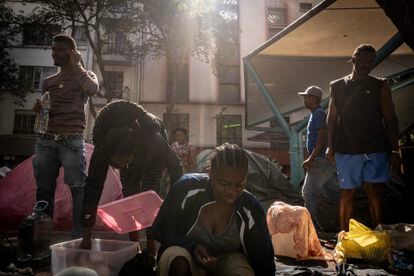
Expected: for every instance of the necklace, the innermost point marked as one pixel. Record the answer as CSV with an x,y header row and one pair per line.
x,y
61,82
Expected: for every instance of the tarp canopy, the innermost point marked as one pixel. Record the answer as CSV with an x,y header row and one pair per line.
x,y
315,50
336,29
18,196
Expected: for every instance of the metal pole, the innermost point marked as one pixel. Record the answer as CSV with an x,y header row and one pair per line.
x,y
296,158
265,93
390,46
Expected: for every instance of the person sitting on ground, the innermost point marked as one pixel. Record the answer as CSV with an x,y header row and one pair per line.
x,y
209,223
183,149
129,138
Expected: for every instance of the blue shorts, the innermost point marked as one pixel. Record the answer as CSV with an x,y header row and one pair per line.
x,y
355,169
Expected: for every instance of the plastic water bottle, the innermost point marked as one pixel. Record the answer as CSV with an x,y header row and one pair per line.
x,y
42,118
35,235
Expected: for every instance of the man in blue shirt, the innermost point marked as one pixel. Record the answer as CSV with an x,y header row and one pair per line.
x,y
320,188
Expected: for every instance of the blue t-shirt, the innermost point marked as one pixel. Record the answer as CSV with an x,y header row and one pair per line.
x,y
317,120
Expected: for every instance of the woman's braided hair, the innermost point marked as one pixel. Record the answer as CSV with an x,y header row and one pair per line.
x,y
229,155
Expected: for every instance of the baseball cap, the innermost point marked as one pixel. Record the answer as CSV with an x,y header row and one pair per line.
x,y
312,91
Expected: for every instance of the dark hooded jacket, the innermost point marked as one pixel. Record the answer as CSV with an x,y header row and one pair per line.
x,y
180,212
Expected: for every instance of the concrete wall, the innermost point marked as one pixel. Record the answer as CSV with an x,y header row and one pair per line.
x,y
203,122
155,81
253,31
203,85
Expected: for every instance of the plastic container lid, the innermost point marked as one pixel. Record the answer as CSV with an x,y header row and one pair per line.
x,y
131,213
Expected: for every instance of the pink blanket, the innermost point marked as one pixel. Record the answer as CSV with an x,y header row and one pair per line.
x,y
18,193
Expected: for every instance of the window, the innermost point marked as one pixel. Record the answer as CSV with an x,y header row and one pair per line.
x,y
24,122
229,129
228,55
33,77
229,83
120,6
276,20
178,81
115,83
80,35
174,120
305,7
116,43
39,35
231,51
276,17
178,76
229,39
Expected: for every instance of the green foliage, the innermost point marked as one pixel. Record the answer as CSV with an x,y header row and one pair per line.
x,y
10,25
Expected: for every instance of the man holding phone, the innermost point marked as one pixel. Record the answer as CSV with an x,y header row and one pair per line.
x,y
62,145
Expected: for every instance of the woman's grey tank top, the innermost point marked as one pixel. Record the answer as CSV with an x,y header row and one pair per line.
x,y
228,241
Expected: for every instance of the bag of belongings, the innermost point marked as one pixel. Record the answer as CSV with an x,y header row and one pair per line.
x,y
35,234
360,242
292,231
142,264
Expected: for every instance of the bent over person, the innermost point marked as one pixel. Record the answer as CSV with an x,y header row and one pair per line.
x,y
208,223
129,138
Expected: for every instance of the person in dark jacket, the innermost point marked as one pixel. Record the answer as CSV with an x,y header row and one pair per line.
x,y
208,223
129,138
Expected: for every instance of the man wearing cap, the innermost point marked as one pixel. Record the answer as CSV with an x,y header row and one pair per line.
x,y
320,188
62,145
362,134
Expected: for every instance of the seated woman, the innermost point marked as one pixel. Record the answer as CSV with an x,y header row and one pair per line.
x,y
210,224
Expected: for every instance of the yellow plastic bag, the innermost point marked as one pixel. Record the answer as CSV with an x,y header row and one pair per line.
x,y
360,242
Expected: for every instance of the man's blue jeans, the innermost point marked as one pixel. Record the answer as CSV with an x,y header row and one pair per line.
x,y
321,194
50,155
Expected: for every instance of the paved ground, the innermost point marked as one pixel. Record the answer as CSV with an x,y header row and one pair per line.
x,y
42,268
284,265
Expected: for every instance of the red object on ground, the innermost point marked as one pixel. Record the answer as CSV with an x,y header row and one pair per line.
x,y
132,213
18,196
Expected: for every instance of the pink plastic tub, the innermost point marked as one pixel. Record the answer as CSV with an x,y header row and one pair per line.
x,y
131,213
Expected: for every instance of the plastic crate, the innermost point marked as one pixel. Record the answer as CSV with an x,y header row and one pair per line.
x,y
131,213
106,256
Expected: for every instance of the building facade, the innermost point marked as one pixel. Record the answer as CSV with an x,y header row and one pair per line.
x,y
210,105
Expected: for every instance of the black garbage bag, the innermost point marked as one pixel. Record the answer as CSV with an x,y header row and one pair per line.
x,y
35,235
142,264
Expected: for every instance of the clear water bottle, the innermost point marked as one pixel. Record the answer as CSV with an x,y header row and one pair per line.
x,y
35,234
42,118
